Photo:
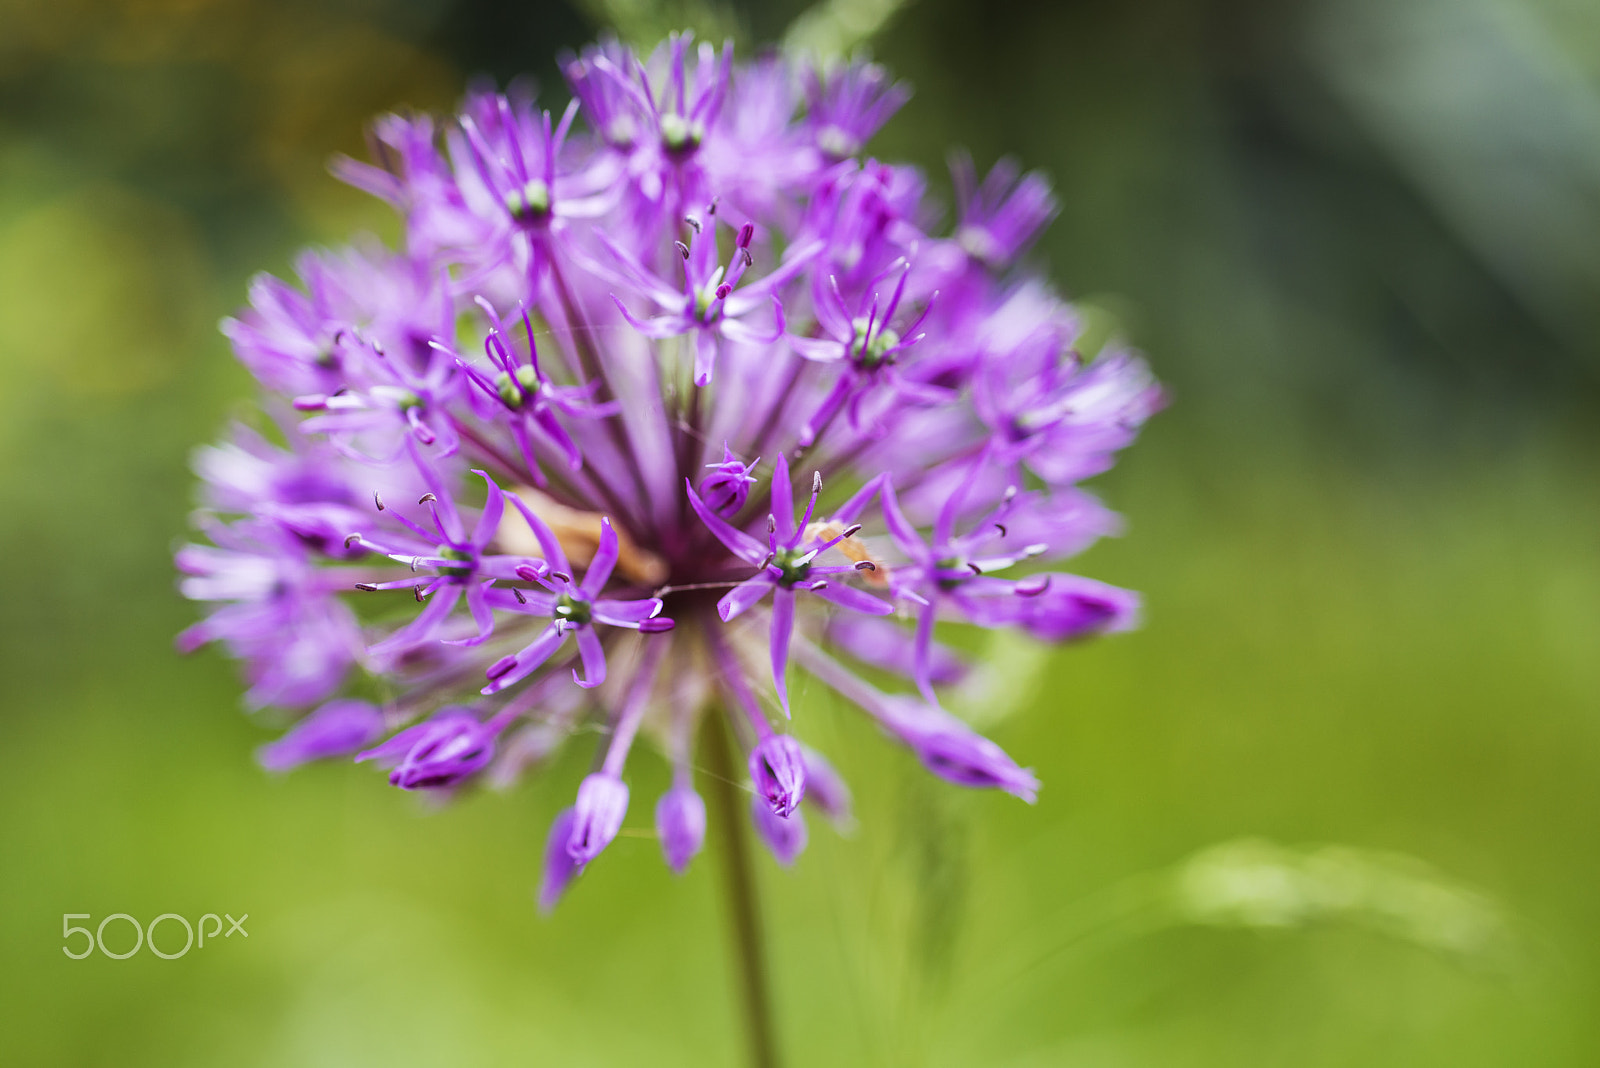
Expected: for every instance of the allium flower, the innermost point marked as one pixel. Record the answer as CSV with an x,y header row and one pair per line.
x,y
586,512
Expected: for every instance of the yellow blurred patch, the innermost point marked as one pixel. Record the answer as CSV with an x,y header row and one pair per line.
x,y
104,292
579,535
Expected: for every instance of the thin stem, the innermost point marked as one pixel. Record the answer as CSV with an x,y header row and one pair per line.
x,y
740,891
689,444
593,367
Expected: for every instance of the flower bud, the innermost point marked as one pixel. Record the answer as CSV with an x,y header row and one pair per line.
x,y
954,752
681,825
338,728
785,836
1063,607
559,867
442,752
779,772
727,487
602,802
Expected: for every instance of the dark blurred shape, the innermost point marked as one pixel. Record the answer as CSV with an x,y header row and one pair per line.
x,y
506,39
1280,226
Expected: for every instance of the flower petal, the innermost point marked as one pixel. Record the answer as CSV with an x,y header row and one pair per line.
x,y
738,600
738,542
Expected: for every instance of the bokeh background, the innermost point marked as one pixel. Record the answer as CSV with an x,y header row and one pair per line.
x,y
1335,804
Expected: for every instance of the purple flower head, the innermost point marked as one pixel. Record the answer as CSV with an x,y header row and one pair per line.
x,y
849,103
784,835
516,194
528,440
681,825
1050,411
710,305
453,563
275,611
417,179
600,82
400,406
291,340
513,152
778,769
758,158
338,728
572,608
867,349
597,816
247,471
672,96
439,753
865,216
1001,217
654,114
559,867
534,402
950,570
787,564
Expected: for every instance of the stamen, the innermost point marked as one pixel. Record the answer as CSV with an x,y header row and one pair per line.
x,y
366,587
518,595
866,565
1001,527
351,538
425,498
683,250
692,221
377,500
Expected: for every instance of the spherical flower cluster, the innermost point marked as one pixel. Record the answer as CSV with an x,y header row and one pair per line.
x,y
644,410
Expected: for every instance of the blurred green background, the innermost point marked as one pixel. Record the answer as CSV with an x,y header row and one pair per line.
x,y
1335,804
